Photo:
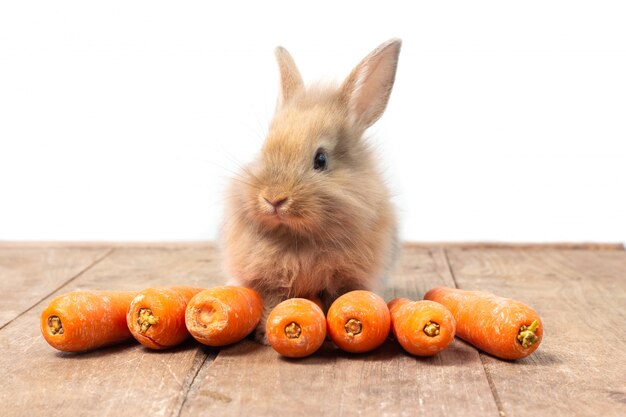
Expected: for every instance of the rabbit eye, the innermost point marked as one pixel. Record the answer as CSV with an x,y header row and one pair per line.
x,y
319,162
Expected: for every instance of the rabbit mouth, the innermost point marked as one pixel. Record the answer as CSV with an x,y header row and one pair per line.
x,y
277,215
282,212
279,218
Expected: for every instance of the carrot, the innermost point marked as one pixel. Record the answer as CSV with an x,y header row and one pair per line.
x,y
223,315
156,316
423,328
502,327
85,320
296,327
358,321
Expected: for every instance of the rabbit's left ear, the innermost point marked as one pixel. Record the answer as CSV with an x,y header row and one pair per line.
x,y
366,90
290,78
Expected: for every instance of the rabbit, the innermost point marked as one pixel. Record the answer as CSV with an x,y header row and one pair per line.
x,y
311,215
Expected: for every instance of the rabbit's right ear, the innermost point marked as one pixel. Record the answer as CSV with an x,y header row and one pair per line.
x,y
367,89
290,78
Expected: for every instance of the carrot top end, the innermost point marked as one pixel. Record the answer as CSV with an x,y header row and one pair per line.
x,y
55,325
527,336
293,330
145,319
432,329
353,327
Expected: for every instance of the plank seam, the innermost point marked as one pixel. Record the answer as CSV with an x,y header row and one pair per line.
x,y
81,272
445,254
492,386
490,381
187,387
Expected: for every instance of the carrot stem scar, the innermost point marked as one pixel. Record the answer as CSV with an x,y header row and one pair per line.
x,y
56,327
145,319
432,329
205,315
353,327
527,336
293,330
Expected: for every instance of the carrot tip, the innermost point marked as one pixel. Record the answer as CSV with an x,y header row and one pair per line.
x,y
293,330
432,329
527,336
145,319
353,327
55,325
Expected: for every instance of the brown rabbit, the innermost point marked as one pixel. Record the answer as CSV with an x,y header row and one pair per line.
x,y
311,215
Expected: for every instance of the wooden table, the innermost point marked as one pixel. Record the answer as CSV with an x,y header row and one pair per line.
x,y
579,370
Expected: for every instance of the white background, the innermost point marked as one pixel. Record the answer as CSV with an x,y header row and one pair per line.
x,y
123,120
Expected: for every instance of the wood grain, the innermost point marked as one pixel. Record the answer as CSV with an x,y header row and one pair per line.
x,y
30,274
521,246
578,371
415,244
125,380
580,368
252,380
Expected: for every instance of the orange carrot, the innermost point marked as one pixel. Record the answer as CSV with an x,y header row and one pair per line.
x,y
156,316
502,327
223,315
422,328
85,320
296,327
358,321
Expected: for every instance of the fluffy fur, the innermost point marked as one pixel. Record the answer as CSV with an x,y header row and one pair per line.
x,y
293,231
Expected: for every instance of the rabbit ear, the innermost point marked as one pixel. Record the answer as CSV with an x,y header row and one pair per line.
x,y
367,89
290,79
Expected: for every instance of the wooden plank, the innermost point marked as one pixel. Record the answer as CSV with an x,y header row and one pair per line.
x,y
521,246
252,380
107,244
31,274
421,245
580,368
126,380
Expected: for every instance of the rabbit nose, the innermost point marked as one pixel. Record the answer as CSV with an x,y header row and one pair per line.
x,y
276,203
